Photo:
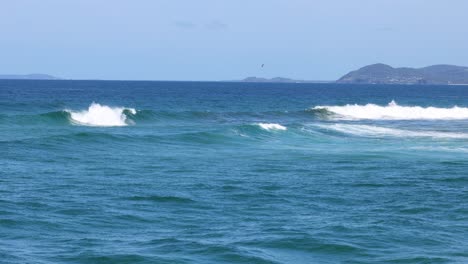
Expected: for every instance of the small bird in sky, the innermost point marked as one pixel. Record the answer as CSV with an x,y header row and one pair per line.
x,y
263,65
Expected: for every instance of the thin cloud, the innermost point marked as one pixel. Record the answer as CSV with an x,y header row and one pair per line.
x,y
217,25
185,24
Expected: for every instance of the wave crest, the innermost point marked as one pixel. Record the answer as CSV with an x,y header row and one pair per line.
x,y
102,115
393,111
271,126
376,131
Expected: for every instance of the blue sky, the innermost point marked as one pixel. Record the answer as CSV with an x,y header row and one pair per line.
x,y
227,39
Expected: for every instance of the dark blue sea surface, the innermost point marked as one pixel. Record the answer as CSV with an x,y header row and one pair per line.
x,y
207,172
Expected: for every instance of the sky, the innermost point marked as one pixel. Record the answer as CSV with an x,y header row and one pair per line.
x,y
227,39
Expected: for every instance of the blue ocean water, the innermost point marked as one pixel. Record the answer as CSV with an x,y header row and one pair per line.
x,y
207,172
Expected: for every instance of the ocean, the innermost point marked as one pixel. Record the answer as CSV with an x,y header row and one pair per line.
x,y
217,172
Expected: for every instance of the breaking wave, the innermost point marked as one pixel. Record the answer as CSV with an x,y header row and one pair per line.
x,y
376,131
393,111
271,126
102,115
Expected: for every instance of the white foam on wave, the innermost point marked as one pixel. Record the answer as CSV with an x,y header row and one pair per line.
x,y
376,131
101,115
271,126
393,111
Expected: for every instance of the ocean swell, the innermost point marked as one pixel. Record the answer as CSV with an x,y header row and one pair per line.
x,y
393,111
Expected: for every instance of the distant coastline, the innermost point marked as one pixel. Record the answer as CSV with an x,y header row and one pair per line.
x,y
34,76
372,74
385,74
278,80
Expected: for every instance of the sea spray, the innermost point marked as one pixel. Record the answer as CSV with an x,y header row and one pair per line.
x,y
101,115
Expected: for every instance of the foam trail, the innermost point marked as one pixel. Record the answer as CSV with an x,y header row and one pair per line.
x,y
393,111
375,131
271,126
101,115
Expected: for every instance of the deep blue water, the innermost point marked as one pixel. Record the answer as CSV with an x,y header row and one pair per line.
x,y
195,172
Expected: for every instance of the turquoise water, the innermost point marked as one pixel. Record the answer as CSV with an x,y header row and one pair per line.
x,y
193,172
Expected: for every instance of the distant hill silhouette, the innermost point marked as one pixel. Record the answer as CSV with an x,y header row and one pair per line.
x,y
274,80
278,80
36,76
385,74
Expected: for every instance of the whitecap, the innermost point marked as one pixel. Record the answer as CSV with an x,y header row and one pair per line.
x,y
272,126
101,115
393,111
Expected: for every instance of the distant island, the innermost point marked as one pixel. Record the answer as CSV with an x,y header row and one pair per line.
x,y
36,76
277,80
385,74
